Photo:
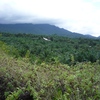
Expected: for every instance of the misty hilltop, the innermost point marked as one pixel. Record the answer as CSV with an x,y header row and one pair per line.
x,y
43,29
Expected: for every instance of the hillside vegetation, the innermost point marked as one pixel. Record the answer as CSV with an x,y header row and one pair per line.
x,y
42,29
27,73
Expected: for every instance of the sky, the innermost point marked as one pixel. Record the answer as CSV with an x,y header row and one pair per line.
x,y
81,16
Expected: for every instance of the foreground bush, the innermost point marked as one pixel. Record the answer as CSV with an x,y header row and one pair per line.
x,y
21,80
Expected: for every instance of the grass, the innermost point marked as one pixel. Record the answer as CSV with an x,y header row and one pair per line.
x,y
21,80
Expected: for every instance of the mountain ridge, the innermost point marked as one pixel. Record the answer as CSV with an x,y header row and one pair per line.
x,y
44,29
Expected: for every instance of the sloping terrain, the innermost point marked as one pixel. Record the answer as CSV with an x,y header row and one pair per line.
x,y
44,29
21,80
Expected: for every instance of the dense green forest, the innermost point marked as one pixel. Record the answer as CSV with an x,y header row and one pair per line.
x,y
57,49
41,67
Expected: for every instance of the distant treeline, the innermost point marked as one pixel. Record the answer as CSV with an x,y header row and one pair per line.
x,y
57,50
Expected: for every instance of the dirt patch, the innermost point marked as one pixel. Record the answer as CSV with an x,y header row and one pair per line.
x,y
25,96
3,86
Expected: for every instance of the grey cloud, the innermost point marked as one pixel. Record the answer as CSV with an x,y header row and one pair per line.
x,y
23,18
11,14
26,11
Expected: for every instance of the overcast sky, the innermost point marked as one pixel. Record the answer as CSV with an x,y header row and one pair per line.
x,y
82,16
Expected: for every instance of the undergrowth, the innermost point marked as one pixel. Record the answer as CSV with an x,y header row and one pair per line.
x,y
21,80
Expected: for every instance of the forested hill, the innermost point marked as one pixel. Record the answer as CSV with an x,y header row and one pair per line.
x,y
44,29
